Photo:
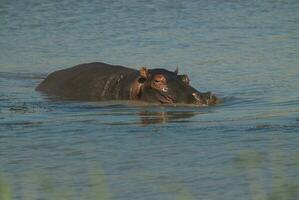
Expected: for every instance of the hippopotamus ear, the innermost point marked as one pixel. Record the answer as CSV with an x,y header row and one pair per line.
x,y
144,73
176,71
137,86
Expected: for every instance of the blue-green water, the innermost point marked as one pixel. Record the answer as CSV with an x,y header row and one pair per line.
x,y
247,52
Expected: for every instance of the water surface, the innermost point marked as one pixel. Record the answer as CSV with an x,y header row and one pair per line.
x,y
244,51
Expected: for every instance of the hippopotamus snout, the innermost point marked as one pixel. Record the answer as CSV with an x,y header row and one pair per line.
x,y
206,98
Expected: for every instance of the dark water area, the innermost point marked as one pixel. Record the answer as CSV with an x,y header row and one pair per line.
x,y
246,52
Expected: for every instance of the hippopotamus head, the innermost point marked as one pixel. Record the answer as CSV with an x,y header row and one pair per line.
x,y
166,87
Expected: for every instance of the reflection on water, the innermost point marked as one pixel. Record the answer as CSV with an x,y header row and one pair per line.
x,y
148,117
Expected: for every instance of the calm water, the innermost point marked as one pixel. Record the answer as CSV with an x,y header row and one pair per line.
x,y
247,52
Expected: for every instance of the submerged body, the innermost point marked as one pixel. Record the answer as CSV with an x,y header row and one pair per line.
x,y
100,81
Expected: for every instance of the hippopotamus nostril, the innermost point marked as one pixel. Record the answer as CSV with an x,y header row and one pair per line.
x,y
206,98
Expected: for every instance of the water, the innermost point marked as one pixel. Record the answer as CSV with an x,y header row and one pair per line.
x,y
244,51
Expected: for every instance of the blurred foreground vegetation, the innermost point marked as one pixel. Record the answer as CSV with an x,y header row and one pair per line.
x,y
250,163
254,165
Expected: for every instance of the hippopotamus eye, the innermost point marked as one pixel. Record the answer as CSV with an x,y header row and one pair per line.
x,y
159,82
159,78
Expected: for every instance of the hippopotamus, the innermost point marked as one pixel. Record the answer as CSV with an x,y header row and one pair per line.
x,y
100,82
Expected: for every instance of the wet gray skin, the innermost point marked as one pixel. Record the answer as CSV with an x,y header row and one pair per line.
x,y
100,81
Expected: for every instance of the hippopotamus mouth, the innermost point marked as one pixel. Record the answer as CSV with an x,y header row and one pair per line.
x,y
199,99
165,98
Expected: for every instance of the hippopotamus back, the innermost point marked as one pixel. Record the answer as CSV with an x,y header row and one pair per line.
x,y
91,81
